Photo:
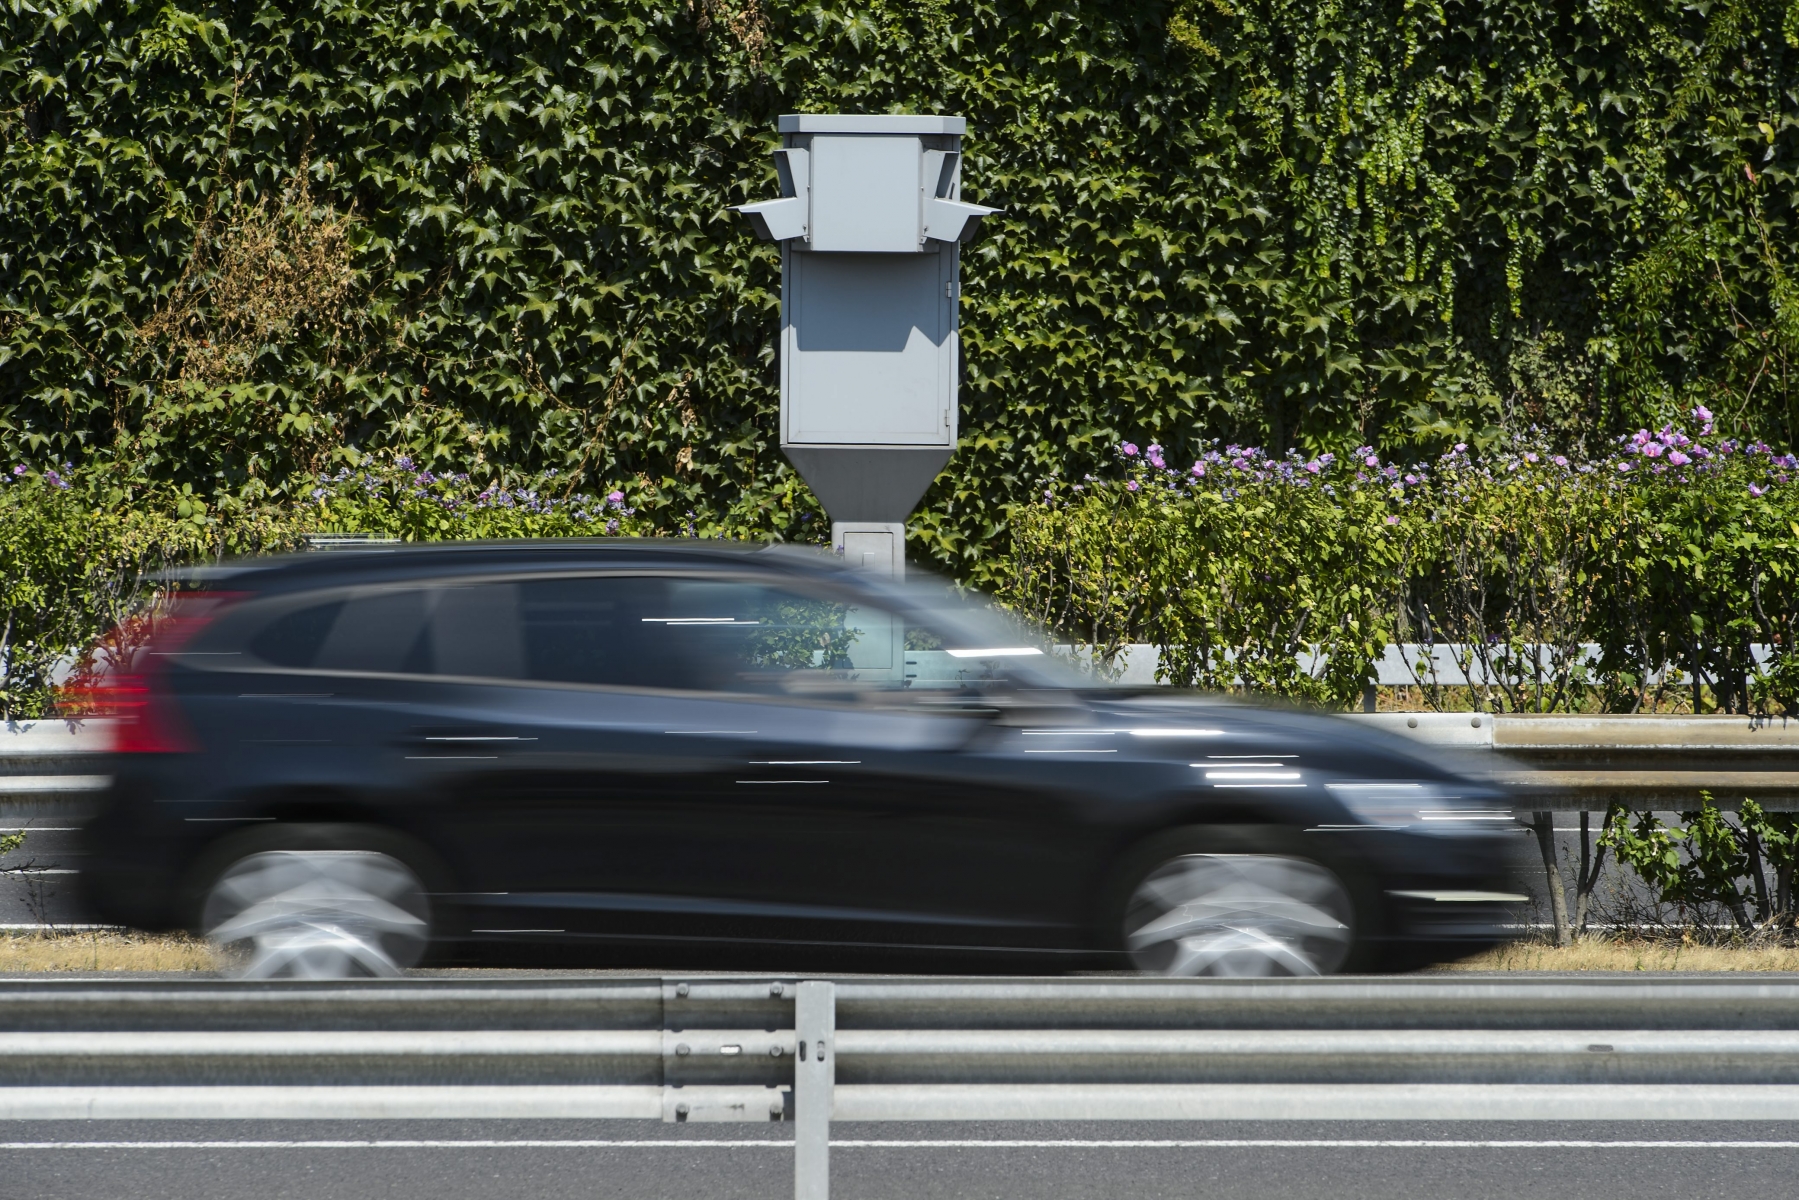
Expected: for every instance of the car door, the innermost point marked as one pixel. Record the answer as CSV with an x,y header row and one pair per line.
x,y
320,694
725,757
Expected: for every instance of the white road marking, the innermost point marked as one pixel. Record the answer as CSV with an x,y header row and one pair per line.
x,y
904,1144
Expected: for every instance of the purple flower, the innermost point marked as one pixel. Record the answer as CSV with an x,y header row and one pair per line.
x,y
1756,491
1154,455
615,498
1313,467
56,479
1129,449
1559,461
1531,457
1411,479
19,470
404,462
1703,413
1461,447
1372,460
1132,485
1198,470
1392,520
1623,467
1678,459
1653,449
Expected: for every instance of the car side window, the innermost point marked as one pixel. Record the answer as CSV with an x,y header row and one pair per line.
x,y
759,637
293,638
590,629
652,631
380,630
655,631
475,631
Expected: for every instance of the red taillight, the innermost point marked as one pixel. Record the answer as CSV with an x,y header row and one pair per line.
x,y
144,716
143,720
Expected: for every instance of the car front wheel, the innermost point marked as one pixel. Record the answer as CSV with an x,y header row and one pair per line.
x,y
1239,915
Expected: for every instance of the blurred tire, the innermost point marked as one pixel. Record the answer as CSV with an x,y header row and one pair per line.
x,y
316,903
1213,908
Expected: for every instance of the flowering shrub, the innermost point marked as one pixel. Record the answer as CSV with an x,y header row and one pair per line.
x,y
1564,584
397,498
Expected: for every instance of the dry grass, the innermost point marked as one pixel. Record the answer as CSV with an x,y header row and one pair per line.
x,y
103,950
1606,954
121,950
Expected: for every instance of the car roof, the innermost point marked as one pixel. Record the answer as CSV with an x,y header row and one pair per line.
x,y
340,563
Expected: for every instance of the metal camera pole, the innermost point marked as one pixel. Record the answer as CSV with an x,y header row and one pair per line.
x,y
870,222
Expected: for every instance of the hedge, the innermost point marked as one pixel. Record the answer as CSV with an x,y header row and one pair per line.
x,y
1673,555
243,244
80,568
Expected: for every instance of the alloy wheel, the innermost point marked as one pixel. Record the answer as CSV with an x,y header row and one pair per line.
x,y
318,914
1239,915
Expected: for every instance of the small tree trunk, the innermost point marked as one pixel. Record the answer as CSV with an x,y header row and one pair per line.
x,y
1591,862
1544,824
1758,877
1740,912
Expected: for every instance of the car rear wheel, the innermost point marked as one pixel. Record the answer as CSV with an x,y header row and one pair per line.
x,y
317,914
1239,915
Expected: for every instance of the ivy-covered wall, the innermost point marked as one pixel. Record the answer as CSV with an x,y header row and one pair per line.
x,y
243,244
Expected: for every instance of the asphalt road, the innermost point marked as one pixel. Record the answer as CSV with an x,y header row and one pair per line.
x,y
1088,1161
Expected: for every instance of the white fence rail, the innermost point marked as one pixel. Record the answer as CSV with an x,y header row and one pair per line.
x,y
1443,664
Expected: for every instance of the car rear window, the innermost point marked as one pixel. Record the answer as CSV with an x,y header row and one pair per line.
x,y
293,639
379,630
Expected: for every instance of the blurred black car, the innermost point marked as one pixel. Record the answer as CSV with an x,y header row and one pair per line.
x,y
338,763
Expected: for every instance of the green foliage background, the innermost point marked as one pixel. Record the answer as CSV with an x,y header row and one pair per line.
x,y
241,244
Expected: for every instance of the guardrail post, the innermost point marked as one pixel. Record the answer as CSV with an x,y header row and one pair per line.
x,y
814,1076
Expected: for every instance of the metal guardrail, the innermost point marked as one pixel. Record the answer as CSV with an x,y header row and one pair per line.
x,y
1438,664
1574,763
1582,763
54,762
816,1051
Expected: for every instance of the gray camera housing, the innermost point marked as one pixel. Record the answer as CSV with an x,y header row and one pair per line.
x,y
870,222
